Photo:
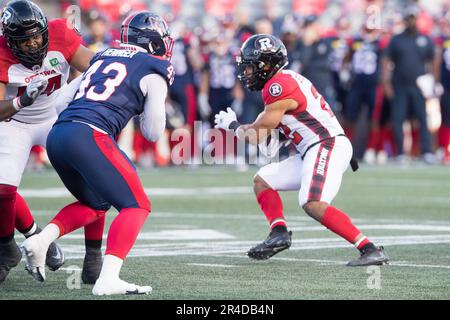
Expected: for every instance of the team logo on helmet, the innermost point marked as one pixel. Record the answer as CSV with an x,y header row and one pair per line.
x,y
275,90
265,44
6,15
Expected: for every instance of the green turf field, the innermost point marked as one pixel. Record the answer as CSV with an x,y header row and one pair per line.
x,y
193,244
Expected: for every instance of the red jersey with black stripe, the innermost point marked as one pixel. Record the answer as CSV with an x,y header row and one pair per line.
x,y
63,43
312,121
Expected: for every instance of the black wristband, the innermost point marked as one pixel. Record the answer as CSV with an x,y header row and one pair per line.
x,y
234,125
25,100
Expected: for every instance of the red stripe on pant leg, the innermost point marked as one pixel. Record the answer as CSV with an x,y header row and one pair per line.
x,y
126,170
191,105
24,220
378,107
320,170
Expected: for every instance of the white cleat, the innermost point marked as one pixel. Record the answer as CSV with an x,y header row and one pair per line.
x,y
107,287
35,252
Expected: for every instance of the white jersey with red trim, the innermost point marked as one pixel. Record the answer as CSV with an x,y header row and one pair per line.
x,y
63,43
312,121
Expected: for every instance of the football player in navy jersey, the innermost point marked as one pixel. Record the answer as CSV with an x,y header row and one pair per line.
x,y
365,53
119,84
443,58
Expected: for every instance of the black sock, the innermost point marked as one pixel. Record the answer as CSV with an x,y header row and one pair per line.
x,y
279,229
28,230
368,247
93,245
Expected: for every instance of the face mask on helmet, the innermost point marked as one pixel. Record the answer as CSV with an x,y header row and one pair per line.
x,y
260,58
148,31
251,74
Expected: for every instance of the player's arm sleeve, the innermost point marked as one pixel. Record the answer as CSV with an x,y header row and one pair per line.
x,y
68,38
67,94
153,119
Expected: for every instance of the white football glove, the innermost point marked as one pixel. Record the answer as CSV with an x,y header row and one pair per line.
x,y
33,91
203,106
224,119
271,148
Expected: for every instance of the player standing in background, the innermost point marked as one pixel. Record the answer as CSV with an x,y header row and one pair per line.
x,y
443,74
365,57
118,85
35,57
293,105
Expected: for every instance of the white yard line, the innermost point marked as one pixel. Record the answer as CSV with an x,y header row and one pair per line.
x,y
212,265
180,192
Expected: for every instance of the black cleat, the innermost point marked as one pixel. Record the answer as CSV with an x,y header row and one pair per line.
x,y
275,243
55,257
370,257
10,256
92,265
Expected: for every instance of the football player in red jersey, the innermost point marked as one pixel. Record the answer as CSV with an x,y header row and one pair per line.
x,y
35,57
293,105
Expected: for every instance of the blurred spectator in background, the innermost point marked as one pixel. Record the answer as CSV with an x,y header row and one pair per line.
x,y
315,58
99,36
411,53
340,38
186,60
219,88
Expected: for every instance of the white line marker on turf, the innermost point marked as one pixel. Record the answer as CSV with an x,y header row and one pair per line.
x,y
212,265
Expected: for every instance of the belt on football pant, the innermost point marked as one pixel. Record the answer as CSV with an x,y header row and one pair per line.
x,y
353,162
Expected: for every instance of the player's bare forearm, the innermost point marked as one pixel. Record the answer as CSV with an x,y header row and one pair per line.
x,y
7,109
253,133
266,121
81,58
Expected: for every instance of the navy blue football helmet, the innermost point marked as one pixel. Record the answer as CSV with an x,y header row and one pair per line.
x,y
149,31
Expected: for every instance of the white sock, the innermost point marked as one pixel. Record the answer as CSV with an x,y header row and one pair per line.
x,y
111,267
50,233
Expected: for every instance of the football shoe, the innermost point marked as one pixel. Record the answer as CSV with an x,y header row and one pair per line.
x,y
55,257
10,257
92,265
274,243
116,286
371,256
34,252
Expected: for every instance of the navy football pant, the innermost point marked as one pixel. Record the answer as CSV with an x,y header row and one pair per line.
x,y
94,169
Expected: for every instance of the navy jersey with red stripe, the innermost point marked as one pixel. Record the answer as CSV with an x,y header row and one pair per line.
x,y
110,92
444,43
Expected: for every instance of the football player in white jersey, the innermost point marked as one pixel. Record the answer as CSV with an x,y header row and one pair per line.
x,y
35,57
293,105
